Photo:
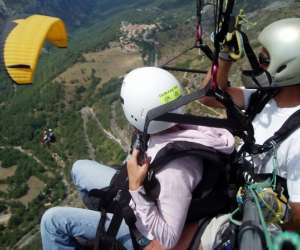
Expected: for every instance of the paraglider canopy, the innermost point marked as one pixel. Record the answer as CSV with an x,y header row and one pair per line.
x,y
23,42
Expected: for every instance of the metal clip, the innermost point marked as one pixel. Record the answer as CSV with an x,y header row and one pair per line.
x,y
117,198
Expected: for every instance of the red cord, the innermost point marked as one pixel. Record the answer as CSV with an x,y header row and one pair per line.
x,y
214,72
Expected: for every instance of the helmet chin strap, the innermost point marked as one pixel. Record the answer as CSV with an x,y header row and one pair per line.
x,y
256,80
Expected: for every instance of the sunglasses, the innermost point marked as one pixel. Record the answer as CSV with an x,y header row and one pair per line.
x,y
263,59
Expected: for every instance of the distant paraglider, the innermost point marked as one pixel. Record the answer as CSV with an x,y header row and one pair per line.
x,y
22,43
47,137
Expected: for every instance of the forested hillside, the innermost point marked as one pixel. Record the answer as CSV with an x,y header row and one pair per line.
x,y
75,93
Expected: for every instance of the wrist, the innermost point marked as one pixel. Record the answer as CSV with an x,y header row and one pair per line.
x,y
225,63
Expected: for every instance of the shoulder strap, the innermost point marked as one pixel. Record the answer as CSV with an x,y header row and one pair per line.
x,y
258,100
178,149
175,150
288,127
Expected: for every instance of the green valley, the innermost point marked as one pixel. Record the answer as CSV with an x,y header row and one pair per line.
x,y
76,93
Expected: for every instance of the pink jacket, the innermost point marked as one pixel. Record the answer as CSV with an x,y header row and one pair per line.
x,y
164,219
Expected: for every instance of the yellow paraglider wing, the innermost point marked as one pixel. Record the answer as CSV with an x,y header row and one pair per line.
x,y
23,45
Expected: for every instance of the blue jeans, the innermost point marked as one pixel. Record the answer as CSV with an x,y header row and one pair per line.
x,y
61,227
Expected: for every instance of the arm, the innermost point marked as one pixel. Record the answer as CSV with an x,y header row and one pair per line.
x,y
294,223
293,180
164,219
222,78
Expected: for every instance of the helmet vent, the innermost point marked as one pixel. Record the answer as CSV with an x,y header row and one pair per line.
x,y
281,68
134,118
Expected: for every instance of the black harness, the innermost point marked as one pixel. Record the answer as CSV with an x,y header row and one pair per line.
x,y
210,191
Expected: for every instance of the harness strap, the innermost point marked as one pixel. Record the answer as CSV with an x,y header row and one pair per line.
x,y
206,50
258,100
237,122
178,69
130,220
114,201
134,242
251,55
114,225
288,127
100,230
242,125
197,120
202,224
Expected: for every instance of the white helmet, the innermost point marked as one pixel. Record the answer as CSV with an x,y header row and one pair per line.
x,y
144,89
282,41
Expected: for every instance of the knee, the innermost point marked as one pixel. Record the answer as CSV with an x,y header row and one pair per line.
x,y
78,168
50,220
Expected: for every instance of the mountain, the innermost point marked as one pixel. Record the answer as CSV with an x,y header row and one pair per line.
x,y
74,12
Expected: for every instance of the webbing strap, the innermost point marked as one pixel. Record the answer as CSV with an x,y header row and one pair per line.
x,y
195,243
127,213
171,106
243,127
114,225
133,238
178,69
251,55
197,120
288,127
206,50
258,100
100,230
236,121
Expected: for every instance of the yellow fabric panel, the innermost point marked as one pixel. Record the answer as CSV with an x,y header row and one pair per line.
x,y
24,43
18,21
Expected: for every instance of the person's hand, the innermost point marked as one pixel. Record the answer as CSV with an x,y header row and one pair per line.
x,y
136,172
